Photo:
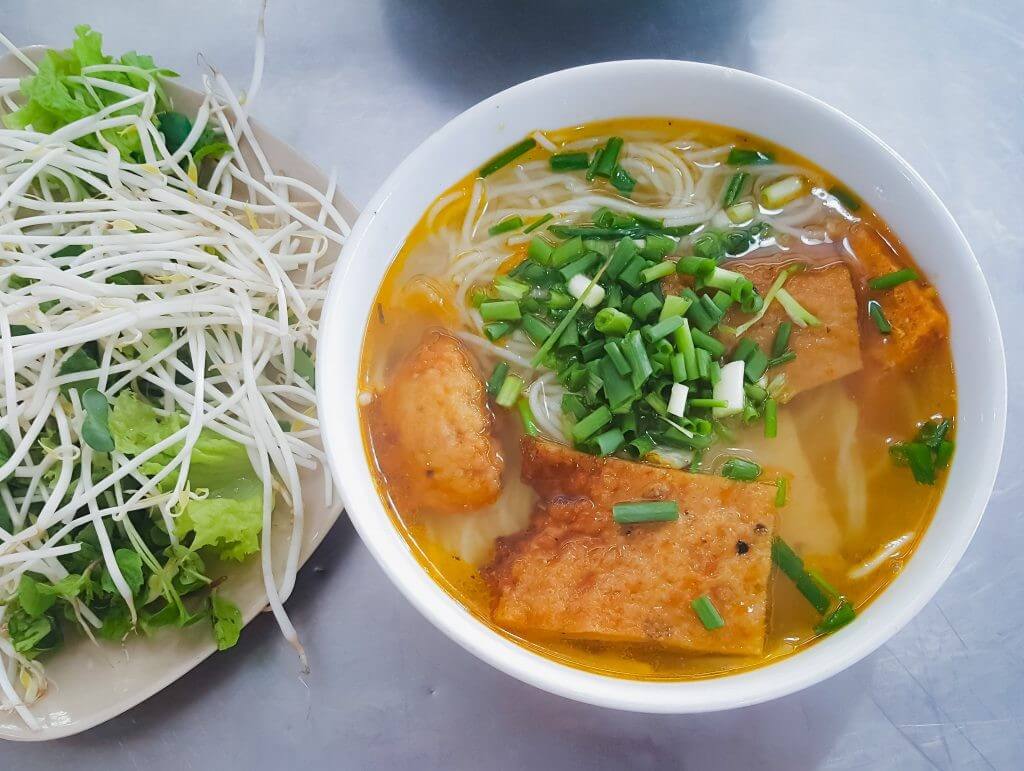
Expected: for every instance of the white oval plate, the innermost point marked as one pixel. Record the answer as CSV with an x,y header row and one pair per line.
x,y
93,683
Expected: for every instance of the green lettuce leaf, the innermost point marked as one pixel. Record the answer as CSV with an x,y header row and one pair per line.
x,y
53,99
229,519
130,564
227,621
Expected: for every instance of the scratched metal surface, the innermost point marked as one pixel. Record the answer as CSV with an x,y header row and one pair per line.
x,y
356,85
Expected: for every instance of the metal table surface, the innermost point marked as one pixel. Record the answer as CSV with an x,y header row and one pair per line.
x,y
357,85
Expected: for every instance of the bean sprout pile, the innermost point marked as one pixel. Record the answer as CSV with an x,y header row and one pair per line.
x,y
184,287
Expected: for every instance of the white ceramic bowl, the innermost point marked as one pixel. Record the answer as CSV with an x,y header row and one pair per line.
x,y
718,95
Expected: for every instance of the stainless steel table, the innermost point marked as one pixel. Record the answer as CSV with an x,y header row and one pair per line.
x,y
356,85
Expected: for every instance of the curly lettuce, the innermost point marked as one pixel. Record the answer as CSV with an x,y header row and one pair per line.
x,y
229,519
55,95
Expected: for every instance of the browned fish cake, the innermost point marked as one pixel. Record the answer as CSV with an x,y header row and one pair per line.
x,y
577,573
917,321
823,353
432,431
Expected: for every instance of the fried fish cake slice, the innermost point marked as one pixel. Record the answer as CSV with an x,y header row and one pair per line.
x,y
433,431
577,573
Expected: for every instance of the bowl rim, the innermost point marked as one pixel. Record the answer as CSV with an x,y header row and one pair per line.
x,y
792,673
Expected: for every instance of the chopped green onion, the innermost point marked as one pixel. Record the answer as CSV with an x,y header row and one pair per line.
x,y
566,252
785,358
510,390
572,405
510,289
708,343
709,403
773,290
822,582
592,168
692,265
790,564
755,393
663,328
674,306
645,305
658,271
497,330
505,158
837,619
707,613
744,348
894,279
741,212
582,265
657,247
609,158
778,194
569,161
630,275
635,353
686,347
741,469
877,316
500,310
722,300
771,419
540,251
591,424
709,246
781,341
623,253
735,188
634,512
658,404
536,330
781,492
741,157
845,197
538,222
526,415
497,378
677,363
608,442
622,180
800,315
611,321
617,359
509,223
756,364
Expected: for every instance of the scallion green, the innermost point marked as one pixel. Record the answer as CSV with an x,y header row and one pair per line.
x,y
633,512
510,391
569,161
878,316
505,158
514,222
707,613
741,469
894,279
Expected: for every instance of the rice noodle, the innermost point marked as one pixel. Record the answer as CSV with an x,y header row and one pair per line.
x,y
883,555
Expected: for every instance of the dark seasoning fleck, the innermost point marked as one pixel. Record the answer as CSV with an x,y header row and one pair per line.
x,y
742,547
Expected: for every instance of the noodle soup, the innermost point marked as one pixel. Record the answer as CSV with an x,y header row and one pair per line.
x,y
658,399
